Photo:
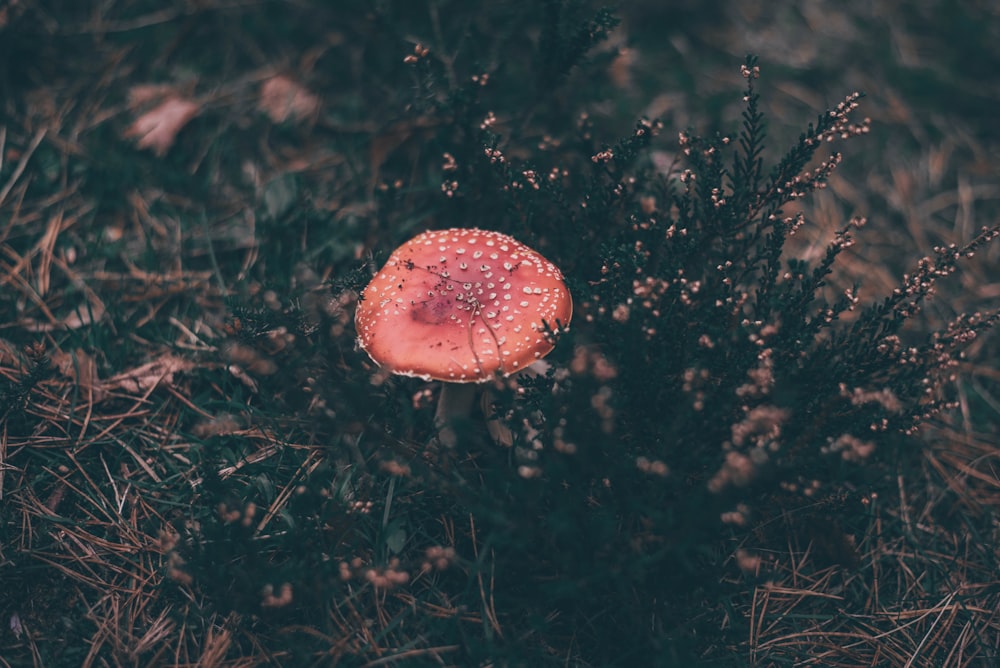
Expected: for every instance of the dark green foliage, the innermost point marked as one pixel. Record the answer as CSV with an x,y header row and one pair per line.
x,y
15,394
561,48
734,379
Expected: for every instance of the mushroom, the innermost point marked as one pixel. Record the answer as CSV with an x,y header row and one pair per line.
x,y
461,306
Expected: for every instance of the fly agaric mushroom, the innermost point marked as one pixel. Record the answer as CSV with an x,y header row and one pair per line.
x,y
461,306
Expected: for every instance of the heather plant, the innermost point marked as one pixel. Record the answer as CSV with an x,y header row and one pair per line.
x,y
726,341
711,378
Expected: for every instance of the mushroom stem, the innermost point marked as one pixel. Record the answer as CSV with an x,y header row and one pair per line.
x,y
455,403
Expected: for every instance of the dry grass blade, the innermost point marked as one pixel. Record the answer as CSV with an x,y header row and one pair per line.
x,y
485,597
434,653
22,164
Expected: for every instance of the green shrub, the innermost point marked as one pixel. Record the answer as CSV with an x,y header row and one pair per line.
x,y
710,381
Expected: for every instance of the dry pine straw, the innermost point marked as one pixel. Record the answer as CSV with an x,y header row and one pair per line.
x,y
922,593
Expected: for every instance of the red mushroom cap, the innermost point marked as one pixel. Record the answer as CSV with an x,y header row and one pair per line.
x,y
462,305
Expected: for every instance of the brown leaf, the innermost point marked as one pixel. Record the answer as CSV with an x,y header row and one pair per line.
x,y
148,94
148,376
157,128
284,100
